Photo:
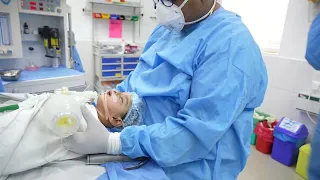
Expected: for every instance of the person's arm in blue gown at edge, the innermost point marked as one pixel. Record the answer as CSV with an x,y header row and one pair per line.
x,y
1,86
313,57
200,98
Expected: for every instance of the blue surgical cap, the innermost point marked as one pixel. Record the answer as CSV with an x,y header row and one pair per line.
x,y
136,111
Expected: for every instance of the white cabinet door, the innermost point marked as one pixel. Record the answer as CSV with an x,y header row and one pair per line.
x,y
10,36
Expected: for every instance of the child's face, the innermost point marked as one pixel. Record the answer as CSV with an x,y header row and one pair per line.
x,y
116,105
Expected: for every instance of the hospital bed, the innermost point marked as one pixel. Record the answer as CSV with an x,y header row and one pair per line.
x,y
85,167
71,169
76,168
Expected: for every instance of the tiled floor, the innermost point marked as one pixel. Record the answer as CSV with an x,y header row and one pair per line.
x,y
263,167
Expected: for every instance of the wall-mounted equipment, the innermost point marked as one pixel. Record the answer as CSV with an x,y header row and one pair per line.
x,y
10,38
37,35
42,6
51,44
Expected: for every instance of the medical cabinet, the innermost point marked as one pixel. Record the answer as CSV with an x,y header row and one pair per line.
x,y
114,66
36,38
113,61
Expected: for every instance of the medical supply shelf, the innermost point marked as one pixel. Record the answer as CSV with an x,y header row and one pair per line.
x,y
136,7
41,13
126,4
31,38
113,67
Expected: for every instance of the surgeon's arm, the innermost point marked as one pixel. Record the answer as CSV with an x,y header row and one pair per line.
x,y
313,44
124,85
219,93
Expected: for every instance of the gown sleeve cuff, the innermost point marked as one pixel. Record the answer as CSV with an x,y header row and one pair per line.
x,y
130,141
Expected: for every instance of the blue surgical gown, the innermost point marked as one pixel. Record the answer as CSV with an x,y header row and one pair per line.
x,y
313,57
200,88
313,45
1,86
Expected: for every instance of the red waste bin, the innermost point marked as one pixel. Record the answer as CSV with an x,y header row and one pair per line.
x,y
264,137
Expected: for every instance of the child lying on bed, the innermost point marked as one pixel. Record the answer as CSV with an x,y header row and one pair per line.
x,y
40,143
119,110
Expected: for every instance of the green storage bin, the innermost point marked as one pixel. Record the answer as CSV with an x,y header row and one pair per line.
x,y
255,122
253,138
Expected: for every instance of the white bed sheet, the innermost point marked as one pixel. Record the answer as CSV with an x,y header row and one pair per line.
x,y
67,170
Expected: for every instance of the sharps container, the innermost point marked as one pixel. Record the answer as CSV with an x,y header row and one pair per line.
x,y
289,137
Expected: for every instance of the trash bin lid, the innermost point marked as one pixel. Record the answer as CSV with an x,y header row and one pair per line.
x,y
292,128
306,148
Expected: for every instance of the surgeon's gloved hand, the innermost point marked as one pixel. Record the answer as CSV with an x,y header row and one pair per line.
x,y
95,140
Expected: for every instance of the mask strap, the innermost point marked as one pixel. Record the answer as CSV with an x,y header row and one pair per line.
x,y
184,3
114,97
205,16
105,106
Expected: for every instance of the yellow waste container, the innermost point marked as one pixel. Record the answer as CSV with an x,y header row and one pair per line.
x,y
303,161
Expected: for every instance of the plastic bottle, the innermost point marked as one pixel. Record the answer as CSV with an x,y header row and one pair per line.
x,y
31,66
55,62
25,28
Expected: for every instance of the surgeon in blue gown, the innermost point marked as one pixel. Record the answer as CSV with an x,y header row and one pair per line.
x,y
313,57
201,76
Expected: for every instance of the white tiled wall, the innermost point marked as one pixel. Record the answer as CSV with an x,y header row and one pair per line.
x,y
85,51
289,73
287,77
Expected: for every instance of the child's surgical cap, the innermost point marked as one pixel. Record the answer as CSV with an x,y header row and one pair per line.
x,y
136,111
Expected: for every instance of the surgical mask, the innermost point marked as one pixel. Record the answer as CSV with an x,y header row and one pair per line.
x,y
172,17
